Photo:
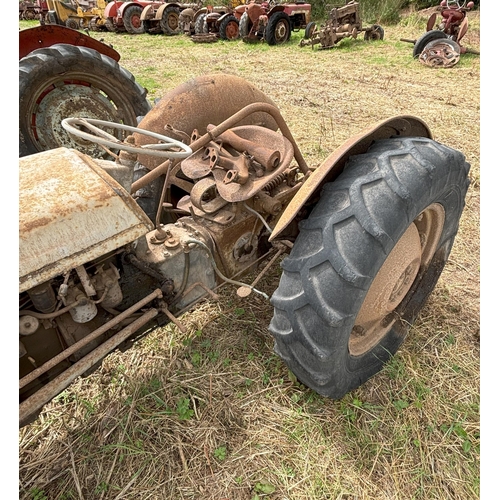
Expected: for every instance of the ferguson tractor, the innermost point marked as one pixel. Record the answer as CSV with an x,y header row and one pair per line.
x,y
209,186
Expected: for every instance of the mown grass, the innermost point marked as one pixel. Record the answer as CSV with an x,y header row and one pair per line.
x,y
213,413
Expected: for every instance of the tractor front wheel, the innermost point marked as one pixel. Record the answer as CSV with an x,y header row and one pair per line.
x,y
229,28
366,260
278,29
72,23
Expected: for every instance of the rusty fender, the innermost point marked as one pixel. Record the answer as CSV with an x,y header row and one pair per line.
x,y
404,126
44,36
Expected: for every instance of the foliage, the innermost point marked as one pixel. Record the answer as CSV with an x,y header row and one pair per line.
x,y
375,11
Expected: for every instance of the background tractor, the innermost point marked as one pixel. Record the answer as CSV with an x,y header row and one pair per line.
x,y
440,45
75,14
343,22
271,22
165,18
123,16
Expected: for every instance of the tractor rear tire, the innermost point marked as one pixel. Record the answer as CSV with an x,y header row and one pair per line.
x,y
65,81
278,29
170,20
426,38
229,28
366,260
132,20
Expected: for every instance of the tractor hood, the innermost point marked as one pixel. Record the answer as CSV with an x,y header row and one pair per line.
x,y
70,212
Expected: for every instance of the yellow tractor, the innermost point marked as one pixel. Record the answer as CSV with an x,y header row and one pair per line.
x,y
76,14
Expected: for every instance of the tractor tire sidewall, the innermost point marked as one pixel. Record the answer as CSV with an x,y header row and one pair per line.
x,y
311,26
199,25
72,24
110,26
341,247
224,25
43,67
276,19
244,26
130,13
426,38
165,26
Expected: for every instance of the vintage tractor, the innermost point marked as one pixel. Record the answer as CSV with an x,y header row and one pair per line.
x,y
164,18
272,22
73,15
213,23
210,186
440,45
63,72
126,15
343,22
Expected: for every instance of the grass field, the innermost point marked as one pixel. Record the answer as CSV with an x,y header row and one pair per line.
x,y
213,413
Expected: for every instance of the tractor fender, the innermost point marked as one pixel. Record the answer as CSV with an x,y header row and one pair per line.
x,y
125,6
276,8
240,10
404,126
199,12
50,34
111,9
222,17
159,12
149,13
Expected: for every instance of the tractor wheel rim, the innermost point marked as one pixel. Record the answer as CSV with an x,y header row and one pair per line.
x,y
410,256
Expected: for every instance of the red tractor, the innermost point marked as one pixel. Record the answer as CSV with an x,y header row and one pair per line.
x,y
126,16
216,22
272,22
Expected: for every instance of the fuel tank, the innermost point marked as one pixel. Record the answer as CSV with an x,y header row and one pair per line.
x,y
70,212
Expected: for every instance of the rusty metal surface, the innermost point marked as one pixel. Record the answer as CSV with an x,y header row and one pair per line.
x,y
36,401
407,126
70,212
199,102
87,339
249,138
47,35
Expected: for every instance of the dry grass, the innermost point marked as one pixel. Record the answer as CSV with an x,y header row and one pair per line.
x,y
213,413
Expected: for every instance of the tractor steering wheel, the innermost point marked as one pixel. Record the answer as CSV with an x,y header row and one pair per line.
x,y
75,127
457,3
